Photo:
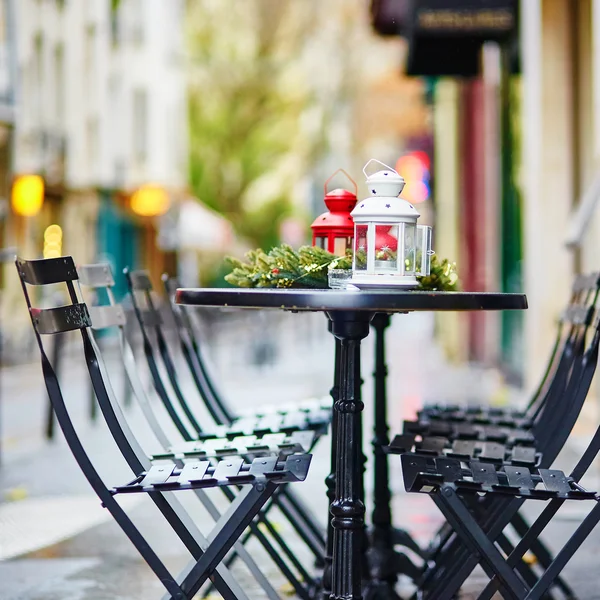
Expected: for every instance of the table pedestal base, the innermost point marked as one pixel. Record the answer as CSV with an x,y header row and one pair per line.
x,y
347,508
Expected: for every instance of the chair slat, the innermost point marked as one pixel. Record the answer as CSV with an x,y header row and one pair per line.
x,y
157,474
140,281
519,477
492,451
524,455
463,448
228,468
193,471
555,481
61,319
449,468
46,271
484,473
96,276
104,317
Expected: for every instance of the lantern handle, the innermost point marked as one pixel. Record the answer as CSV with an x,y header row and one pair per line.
x,y
346,174
377,161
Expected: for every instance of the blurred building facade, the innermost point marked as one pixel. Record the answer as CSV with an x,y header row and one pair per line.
x,y
100,103
560,43
462,51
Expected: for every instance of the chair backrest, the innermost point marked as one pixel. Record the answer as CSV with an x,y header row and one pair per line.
x,y
192,352
75,317
150,322
99,277
584,286
572,378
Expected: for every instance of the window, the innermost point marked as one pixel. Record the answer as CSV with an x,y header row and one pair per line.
x,y
59,84
38,91
92,142
140,124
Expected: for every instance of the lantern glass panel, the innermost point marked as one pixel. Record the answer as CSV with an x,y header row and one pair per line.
x,y
339,246
386,247
360,248
423,265
409,248
321,242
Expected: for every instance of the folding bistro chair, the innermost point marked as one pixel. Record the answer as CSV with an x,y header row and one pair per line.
x,y
312,413
157,352
112,317
99,278
581,292
319,408
256,480
495,510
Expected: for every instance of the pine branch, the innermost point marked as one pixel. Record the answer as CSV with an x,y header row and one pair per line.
x,y
283,267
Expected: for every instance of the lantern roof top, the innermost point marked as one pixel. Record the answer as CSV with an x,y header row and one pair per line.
x,y
340,201
385,208
338,220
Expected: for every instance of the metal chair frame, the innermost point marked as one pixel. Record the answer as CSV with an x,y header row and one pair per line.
x,y
293,507
257,481
476,414
112,316
100,277
450,483
568,388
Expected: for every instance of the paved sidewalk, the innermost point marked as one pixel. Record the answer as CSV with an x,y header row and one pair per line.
x,y
57,543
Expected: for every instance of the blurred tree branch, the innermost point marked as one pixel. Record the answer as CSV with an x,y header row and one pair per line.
x,y
248,94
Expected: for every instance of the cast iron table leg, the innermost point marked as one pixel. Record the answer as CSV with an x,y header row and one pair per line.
x,y
348,509
330,479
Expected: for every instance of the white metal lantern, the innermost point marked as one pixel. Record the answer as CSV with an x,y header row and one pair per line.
x,y
390,249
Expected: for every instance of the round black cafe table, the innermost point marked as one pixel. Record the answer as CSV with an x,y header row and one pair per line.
x,y
350,314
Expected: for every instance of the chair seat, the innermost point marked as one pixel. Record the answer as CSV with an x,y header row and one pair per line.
x,y
309,405
243,445
231,471
469,431
504,416
316,420
484,451
426,475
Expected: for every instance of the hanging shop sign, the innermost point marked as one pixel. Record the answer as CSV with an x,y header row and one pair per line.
x,y
445,36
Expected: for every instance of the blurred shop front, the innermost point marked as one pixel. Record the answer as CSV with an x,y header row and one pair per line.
x,y
467,52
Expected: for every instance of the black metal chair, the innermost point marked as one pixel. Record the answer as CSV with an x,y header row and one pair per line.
x,y
223,440
313,413
191,349
112,317
493,512
507,438
256,480
582,291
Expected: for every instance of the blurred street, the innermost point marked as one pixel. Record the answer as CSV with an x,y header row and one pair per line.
x,y
57,543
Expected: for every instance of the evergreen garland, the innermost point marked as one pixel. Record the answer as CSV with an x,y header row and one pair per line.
x,y
283,267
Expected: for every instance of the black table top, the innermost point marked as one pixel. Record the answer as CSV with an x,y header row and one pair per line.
x,y
387,301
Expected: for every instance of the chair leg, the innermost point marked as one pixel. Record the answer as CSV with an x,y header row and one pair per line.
x,y
228,529
479,543
462,561
541,552
239,551
567,551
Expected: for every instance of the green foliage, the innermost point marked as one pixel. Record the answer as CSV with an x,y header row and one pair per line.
x,y
246,100
442,276
283,267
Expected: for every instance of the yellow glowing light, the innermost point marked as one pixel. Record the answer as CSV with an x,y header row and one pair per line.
x,y
27,195
150,201
53,241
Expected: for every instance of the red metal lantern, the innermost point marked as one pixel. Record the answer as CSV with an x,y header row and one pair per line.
x,y
334,230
